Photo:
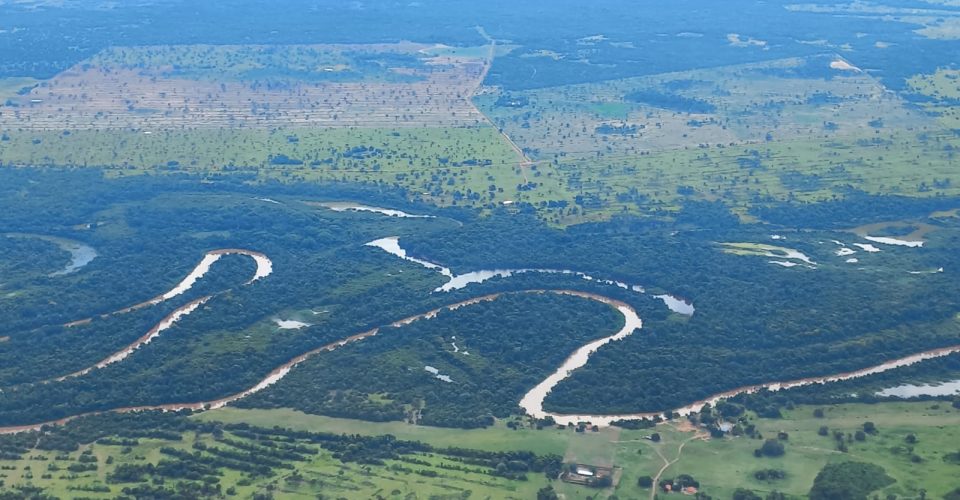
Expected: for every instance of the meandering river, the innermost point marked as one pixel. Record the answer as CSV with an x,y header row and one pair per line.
x,y
343,206
392,246
532,401
81,254
264,269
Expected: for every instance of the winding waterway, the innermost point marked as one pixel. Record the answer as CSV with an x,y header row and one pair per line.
x,y
153,333
343,206
264,269
532,401
81,254
392,246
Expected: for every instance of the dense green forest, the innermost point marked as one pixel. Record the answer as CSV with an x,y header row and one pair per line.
x,y
489,354
752,319
614,40
328,249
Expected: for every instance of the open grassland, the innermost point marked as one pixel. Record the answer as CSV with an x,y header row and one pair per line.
x,y
360,62
944,84
401,115
886,162
152,89
421,475
933,22
476,167
472,166
14,87
498,438
782,100
722,465
796,129
940,93
299,465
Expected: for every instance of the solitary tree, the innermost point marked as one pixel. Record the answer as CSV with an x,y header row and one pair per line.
x,y
772,448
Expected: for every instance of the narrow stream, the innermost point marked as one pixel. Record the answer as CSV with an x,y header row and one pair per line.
x,y
81,254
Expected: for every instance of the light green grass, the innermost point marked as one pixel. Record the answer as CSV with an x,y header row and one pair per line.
x,y
943,87
593,448
11,85
430,162
722,465
496,438
614,110
890,162
321,474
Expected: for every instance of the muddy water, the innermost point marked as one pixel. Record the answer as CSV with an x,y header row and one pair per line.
x,y
264,269
894,241
338,206
909,390
677,304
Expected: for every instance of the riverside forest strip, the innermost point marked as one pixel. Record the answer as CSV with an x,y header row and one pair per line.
x,y
280,372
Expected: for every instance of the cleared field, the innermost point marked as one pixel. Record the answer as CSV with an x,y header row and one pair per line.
x,y
150,89
933,22
406,116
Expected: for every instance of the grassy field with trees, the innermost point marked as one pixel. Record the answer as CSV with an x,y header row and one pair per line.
x,y
907,450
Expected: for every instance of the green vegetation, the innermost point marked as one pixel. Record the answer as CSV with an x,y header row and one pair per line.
x,y
157,228
12,87
170,456
767,132
463,368
278,63
738,160
303,454
851,480
939,94
450,166
722,465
